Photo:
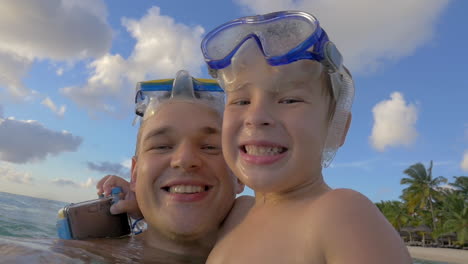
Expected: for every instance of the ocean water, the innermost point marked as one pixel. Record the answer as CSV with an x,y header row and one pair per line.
x,y
28,235
23,216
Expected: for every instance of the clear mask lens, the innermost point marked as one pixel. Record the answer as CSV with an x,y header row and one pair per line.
x,y
275,36
150,96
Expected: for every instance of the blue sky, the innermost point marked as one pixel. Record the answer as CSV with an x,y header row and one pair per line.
x,y
68,69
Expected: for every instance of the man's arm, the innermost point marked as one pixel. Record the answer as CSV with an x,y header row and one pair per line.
x,y
127,203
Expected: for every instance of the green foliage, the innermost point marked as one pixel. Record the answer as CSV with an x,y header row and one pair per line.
x,y
425,203
422,191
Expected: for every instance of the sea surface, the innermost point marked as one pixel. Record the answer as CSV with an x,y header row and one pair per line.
x,y
28,235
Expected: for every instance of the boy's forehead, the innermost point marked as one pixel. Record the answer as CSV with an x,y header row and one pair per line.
x,y
277,78
304,73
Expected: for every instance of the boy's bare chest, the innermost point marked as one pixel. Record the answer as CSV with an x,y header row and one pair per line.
x,y
280,237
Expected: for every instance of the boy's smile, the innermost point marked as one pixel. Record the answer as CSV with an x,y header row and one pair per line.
x,y
262,152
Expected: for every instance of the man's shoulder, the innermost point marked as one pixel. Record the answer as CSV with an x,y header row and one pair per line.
x,y
241,207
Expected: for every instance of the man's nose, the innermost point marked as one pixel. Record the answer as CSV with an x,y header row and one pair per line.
x,y
186,158
258,115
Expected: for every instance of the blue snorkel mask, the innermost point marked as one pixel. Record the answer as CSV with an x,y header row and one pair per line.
x,y
282,38
150,95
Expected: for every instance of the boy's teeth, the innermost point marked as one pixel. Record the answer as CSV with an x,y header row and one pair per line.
x,y
262,150
185,189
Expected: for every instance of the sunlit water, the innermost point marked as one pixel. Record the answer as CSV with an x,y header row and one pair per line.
x,y
28,235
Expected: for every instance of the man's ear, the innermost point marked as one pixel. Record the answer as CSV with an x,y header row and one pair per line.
x,y
134,174
345,132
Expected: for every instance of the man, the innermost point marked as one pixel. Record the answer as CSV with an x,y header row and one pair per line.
x,y
182,184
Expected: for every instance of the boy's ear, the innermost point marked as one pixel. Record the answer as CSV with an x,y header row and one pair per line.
x,y
133,174
345,132
239,186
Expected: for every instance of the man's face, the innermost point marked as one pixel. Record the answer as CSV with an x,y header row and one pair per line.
x,y
182,183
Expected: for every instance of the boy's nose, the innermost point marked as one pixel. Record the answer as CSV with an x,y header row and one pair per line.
x,y
258,115
186,158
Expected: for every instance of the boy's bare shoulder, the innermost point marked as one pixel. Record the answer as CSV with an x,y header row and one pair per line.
x,y
345,199
353,230
239,210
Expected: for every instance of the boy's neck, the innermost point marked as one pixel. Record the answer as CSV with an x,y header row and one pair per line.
x,y
308,190
197,247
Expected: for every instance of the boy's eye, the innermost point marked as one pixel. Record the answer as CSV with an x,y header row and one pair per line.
x,y
290,101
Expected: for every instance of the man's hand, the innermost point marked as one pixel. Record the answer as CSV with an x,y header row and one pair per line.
x,y
127,203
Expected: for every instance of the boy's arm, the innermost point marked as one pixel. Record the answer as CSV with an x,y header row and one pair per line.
x,y
239,210
355,232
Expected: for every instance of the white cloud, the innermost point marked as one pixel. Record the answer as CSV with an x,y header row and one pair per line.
x,y
127,163
58,30
12,69
109,168
394,123
51,105
367,32
447,187
464,162
9,173
28,140
162,48
71,183
59,71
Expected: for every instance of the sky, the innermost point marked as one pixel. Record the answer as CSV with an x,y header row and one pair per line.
x,y
68,70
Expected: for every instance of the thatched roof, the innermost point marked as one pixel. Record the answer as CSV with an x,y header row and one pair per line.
x,y
421,228
447,235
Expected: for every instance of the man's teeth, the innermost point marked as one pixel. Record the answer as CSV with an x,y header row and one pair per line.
x,y
185,189
262,150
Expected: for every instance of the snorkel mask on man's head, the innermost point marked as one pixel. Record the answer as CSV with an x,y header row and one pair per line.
x,y
283,40
152,95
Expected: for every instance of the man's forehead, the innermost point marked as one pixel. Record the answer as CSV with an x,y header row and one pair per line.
x,y
175,127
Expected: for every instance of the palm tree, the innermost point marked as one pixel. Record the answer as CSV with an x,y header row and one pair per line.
x,y
422,190
395,212
461,185
456,216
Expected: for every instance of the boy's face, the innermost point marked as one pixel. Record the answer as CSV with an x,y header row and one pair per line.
x,y
183,186
275,127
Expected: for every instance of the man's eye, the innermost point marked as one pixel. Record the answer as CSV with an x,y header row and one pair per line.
x,y
290,101
211,149
160,148
241,102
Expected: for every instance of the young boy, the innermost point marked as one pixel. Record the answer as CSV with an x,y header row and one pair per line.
x,y
287,112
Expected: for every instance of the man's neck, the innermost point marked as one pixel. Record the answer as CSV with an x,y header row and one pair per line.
x,y
187,246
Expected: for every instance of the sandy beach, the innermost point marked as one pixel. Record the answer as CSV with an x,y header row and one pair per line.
x,y
452,256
